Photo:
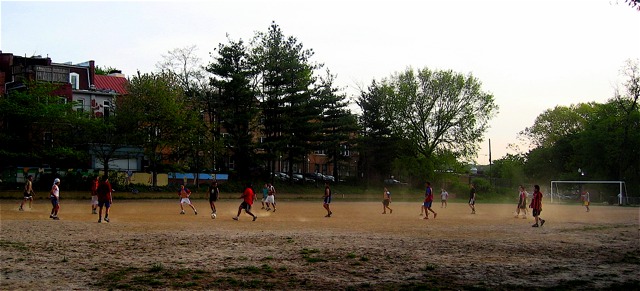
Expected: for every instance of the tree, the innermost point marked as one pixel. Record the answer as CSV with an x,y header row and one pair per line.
x,y
628,104
561,121
633,3
376,145
338,125
156,107
37,127
510,168
185,67
439,110
285,77
105,70
236,103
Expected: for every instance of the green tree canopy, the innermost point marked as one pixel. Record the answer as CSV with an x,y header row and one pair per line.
x,y
236,104
157,108
439,110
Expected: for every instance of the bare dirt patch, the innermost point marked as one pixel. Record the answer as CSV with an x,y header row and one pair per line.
x,y
149,245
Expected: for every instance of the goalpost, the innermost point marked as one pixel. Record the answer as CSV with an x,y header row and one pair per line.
x,y
621,193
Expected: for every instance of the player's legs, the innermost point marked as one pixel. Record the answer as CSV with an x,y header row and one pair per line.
x,y
238,214
328,208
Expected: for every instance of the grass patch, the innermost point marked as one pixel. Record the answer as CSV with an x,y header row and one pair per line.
x,y
315,260
154,277
351,255
306,251
430,267
13,245
306,255
157,267
251,270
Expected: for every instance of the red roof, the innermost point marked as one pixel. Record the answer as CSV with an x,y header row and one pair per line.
x,y
118,84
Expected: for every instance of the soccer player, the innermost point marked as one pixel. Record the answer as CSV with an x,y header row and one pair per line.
x,y
184,194
522,203
271,197
472,198
248,196
214,194
536,204
444,195
327,199
265,192
54,195
94,195
386,200
104,198
586,200
28,192
428,201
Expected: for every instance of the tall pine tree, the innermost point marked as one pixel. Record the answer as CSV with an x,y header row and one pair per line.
x,y
285,80
237,103
339,126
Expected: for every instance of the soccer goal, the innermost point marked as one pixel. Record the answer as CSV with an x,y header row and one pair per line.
x,y
559,194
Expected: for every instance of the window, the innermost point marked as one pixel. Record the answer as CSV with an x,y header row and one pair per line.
x,y
80,105
107,108
74,79
344,150
319,152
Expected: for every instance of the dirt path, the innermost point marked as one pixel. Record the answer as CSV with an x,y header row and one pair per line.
x,y
149,245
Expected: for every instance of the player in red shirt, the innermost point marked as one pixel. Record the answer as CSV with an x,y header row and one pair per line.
x,y
536,204
104,198
248,197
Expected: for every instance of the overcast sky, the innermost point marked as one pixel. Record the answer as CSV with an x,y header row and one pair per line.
x,y
531,55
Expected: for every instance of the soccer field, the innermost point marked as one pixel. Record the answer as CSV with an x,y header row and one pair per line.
x,y
149,245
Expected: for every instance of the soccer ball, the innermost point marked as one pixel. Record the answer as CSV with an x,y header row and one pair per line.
x,y
213,216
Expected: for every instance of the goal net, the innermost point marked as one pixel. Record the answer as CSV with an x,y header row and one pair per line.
x,y
611,192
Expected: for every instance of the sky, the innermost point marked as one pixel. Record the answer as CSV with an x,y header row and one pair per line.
x,y
531,55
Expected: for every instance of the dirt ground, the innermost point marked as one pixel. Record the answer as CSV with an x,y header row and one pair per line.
x,y
149,245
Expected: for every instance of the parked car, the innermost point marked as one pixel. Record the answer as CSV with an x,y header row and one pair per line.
x,y
393,182
315,176
329,178
299,177
281,176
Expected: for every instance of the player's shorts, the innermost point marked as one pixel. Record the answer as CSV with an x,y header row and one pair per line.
x,y
185,200
327,200
27,196
427,204
536,212
213,198
585,203
386,202
472,201
54,201
443,200
94,200
270,199
106,204
244,205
